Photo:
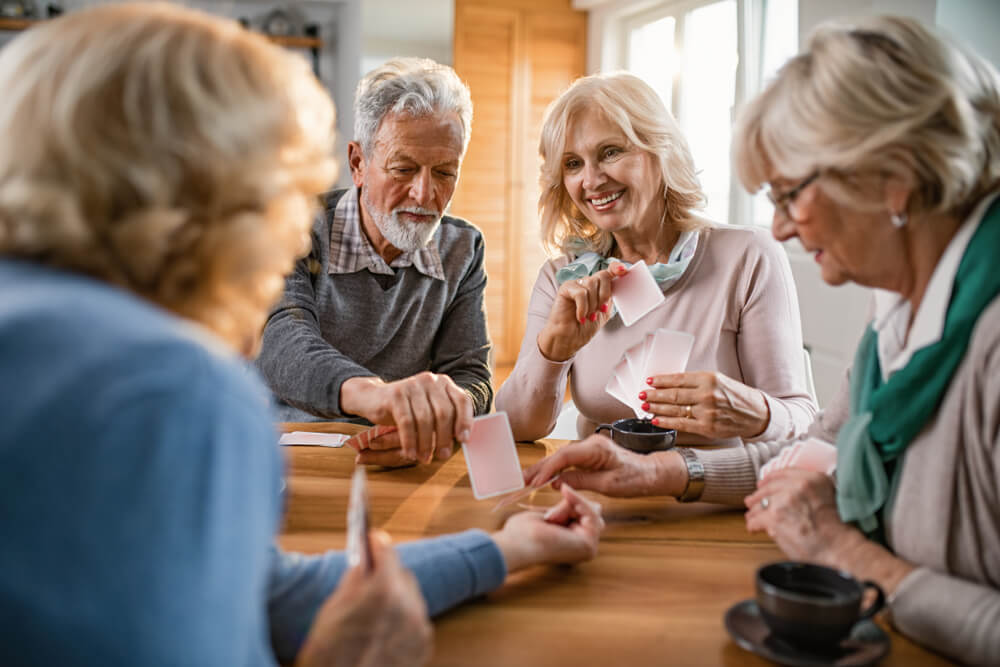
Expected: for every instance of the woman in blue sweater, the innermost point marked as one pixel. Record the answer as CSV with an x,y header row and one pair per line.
x,y
157,176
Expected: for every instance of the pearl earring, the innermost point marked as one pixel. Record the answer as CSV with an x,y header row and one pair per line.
x,y
898,220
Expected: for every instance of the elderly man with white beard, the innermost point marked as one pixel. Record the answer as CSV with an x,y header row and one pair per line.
x,y
383,322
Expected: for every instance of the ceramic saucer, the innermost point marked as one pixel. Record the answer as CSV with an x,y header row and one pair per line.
x,y
866,645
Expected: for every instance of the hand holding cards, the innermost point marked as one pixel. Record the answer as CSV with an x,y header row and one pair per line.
x,y
661,352
359,549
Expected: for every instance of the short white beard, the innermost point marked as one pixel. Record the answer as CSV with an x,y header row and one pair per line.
x,y
404,236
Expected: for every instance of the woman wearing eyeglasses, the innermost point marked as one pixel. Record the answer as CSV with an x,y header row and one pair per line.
x,y
881,146
619,186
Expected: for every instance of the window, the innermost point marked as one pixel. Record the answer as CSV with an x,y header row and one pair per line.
x,y
704,59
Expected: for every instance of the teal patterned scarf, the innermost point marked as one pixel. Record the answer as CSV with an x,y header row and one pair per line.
x,y
665,273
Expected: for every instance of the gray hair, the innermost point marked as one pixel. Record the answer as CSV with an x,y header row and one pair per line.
x,y
413,86
888,96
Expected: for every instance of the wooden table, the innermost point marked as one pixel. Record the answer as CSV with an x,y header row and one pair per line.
x,y
655,595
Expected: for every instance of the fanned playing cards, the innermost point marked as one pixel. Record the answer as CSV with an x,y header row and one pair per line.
x,y
660,352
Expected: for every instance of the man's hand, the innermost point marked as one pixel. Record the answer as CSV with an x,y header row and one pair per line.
x,y
374,619
429,411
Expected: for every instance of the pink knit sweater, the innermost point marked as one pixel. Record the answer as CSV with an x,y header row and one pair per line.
x,y
737,298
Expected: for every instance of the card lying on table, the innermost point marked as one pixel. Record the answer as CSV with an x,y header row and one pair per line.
x,y
491,457
635,293
310,438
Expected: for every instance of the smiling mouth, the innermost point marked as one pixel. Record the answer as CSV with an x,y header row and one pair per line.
x,y
605,201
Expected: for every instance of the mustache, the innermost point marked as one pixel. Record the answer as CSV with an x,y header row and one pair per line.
x,y
416,210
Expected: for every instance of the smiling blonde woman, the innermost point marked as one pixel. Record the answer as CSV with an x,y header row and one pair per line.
x,y
619,185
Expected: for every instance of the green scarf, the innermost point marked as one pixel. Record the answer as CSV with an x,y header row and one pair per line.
x,y
885,417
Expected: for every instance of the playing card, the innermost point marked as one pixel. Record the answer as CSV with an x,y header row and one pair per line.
x,y
635,293
359,549
491,457
614,388
668,352
310,438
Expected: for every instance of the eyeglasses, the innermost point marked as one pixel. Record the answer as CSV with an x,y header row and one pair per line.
x,y
785,201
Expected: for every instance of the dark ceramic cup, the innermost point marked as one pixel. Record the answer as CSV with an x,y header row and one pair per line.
x,y
639,435
810,605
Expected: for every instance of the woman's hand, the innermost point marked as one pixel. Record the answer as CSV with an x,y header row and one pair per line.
x,y
372,619
798,509
598,464
706,403
581,308
567,533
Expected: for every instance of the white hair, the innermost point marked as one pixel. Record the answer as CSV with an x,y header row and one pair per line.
x,y
888,97
415,87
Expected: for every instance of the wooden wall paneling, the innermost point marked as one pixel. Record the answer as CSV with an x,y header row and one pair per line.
x,y
484,57
517,57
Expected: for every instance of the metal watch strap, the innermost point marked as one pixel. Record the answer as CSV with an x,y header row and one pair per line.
x,y
696,476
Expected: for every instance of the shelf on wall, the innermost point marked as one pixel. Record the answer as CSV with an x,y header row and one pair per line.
x,y
293,41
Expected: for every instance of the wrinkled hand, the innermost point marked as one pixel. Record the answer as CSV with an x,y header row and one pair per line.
x,y
567,533
429,411
598,464
580,309
706,403
372,619
801,515
380,446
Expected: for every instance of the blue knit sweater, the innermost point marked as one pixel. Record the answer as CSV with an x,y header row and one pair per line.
x,y
139,493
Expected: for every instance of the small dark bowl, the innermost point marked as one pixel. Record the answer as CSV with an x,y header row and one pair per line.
x,y
812,605
640,435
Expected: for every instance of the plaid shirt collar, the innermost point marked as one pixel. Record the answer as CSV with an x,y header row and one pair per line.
x,y
351,251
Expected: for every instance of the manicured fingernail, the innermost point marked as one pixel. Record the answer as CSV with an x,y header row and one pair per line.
x,y
655,421
645,406
649,381
593,317
604,307
642,396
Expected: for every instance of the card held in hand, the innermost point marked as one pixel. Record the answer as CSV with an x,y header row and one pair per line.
x,y
635,293
359,549
491,457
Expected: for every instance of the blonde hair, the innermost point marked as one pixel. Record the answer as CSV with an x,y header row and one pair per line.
x,y
889,97
166,151
632,105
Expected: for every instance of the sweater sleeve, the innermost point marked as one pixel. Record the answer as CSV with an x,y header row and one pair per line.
x,y
770,343
449,569
462,346
533,394
957,617
300,366
731,473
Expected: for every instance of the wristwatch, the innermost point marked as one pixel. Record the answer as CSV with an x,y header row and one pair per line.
x,y
696,476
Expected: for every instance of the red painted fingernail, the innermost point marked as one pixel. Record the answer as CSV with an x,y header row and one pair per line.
x,y
649,381
642,395
593,317
604,307
645,406
655,421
